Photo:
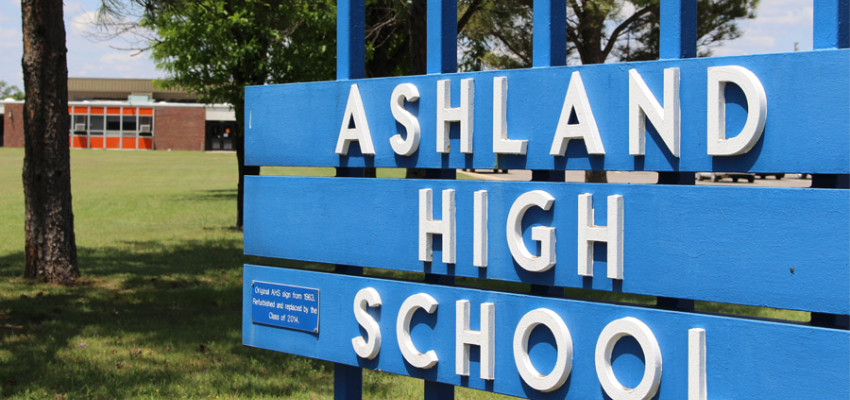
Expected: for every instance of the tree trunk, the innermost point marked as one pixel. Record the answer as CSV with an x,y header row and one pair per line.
x,y
51,250
239,145
418,37
595,176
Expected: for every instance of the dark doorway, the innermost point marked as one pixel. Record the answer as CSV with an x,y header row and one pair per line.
x,y
219,135
2,120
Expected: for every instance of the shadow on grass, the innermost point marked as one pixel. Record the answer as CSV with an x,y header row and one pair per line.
x,y
146,319
214,194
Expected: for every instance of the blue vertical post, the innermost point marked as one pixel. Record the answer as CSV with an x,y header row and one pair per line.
x,y
549,40
442,36
441,59
348,382
831,28
677,39
350,64
350,39
678,30
550,33
438,391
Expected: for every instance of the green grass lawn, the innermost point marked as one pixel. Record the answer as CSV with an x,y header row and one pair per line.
x,y
157,311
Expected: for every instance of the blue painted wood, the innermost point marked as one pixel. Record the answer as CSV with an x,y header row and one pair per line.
x,y
678,39
831,28
784,248
678,35
348,382
745,358
350,64
442,36
550,32
807,126
350,39
438,391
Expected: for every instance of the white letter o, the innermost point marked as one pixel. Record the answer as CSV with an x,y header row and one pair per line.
x,y
563,343
609,337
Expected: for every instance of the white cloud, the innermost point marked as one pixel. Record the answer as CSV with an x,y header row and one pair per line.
x,y
779,26
85,57
72,7
118,61
763,41
802,18
81,22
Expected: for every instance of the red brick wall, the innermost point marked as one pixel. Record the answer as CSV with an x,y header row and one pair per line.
x,y
13,125
179,128
175,128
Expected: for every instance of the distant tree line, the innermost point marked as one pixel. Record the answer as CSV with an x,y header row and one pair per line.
x,y
10,92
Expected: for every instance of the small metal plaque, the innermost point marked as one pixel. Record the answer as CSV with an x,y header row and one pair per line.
x,y
286,306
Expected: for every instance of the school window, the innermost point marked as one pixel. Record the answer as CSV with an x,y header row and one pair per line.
x,y
129,128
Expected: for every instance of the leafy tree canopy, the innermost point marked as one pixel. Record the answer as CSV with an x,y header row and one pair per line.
x,y
215,48
10,92
598,31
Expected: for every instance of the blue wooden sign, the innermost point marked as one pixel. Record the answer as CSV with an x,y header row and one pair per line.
x,y
740,358
752,246
532,108
786,248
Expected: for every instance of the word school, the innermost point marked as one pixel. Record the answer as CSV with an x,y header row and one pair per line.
x,y
642,105
465,337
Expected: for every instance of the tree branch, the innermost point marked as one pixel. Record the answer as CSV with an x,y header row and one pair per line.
x,y
512,49
467,15
576,7
623,26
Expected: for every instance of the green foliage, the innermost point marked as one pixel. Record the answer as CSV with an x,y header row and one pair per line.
x,y
499,35
387,38
10,91
216,47
716,23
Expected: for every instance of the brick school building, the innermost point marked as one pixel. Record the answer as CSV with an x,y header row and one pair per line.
x,y
131,114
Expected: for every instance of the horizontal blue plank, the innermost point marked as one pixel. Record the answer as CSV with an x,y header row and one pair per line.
x,y
807,127
745,359
785,248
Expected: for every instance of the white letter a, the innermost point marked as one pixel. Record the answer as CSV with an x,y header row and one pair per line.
x,y
576,100
355,113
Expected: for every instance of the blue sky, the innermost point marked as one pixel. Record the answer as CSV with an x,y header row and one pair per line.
x,y
779,24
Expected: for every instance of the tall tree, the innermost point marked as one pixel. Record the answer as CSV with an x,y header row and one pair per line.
x,y
598,31
217,47
51,250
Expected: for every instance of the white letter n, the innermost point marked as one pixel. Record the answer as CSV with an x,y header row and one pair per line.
x,y
643,106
